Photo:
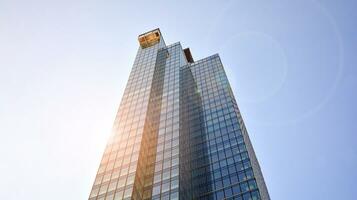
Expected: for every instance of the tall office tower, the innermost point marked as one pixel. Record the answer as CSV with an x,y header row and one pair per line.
x,y
178,133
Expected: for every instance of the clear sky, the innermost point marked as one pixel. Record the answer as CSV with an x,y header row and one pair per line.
x,y
292,64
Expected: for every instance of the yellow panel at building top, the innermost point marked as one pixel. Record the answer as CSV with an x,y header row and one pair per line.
x,y
150,38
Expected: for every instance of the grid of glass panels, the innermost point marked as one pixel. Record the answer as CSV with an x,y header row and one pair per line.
x,y
166,176
145,170
193,139
178,134
229,165
116,174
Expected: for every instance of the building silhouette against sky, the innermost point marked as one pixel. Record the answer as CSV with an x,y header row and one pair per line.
x,y
178,133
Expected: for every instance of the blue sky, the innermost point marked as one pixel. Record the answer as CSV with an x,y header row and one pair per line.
x,y
292,65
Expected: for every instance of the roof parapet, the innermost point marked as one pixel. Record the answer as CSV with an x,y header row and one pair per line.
x,y
188,55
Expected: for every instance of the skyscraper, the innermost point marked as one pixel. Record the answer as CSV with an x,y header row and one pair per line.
x,y
178,133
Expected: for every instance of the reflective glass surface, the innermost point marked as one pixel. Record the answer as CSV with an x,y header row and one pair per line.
x,y
178,134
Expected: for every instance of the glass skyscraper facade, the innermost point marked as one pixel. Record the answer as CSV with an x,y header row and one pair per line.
x,y
178,133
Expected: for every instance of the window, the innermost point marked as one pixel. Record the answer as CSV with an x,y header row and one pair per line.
x,y
156,190
165,187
